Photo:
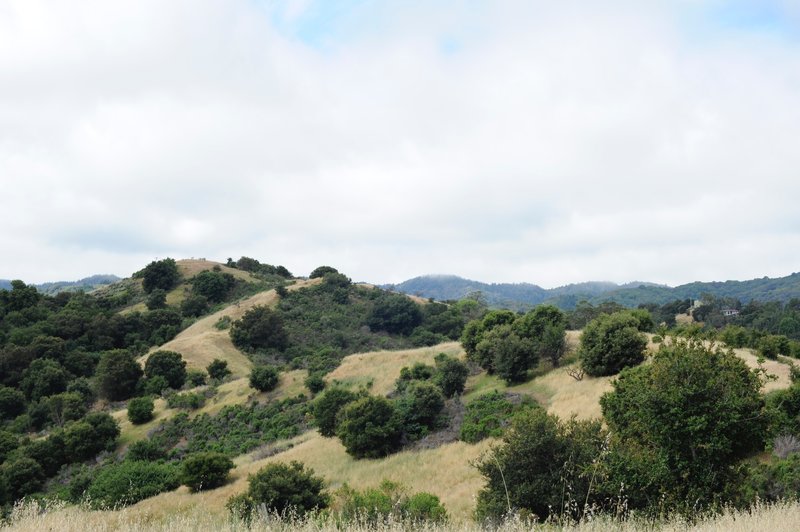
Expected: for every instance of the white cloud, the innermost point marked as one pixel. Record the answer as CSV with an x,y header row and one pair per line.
x,y
505,141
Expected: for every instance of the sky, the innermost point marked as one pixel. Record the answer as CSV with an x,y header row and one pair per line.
x,y
503,141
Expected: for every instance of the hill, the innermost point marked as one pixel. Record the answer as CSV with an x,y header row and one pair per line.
x,y
521,296
82,285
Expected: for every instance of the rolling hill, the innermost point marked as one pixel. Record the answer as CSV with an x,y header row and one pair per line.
x,y
521,296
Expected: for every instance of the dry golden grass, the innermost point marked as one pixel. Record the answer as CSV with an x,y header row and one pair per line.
x,y
773,367
382,368
188,268
779,517
202,342
445,471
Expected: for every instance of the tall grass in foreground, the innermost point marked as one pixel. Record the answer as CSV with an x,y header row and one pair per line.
x,y
778,517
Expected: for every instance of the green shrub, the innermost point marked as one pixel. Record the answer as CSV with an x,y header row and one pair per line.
x,y
156,300
395,314
264,378
167,364
611,343
377,506
212,285
154,385
117,375
451,375
218,369
130,482
322,271
487,416
23,475
542,468
315,383
196,377
369,427
259,328
8,442
140,410
203,471
146,451
12,403
187,401
285,488
159,274
327,407
194,305
419,408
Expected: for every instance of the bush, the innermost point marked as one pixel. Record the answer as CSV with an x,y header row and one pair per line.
x,y
8,442
285,488
504,352
194,305
140,410
611,343
156,300
544,467
419,408
322,271
117,375
451,375
327,407
218,369
161,274
196,377
167,364
264,378
24,476
188,401
259,328
487,416
315,383
145,451
369,427
388,502
130,482
395,314
202,471
214,286
12,403
698,411
154,385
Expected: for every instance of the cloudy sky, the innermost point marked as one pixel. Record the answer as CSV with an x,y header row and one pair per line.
x,y
539,141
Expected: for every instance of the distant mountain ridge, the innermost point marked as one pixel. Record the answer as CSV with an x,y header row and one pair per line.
x,y
521,296
84,285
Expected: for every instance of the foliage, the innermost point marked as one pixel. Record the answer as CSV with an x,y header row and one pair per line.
x,y
145,450
322,271
129,482
327,406
140,410
419,408
196,377
157,299
23,476
451,375
161,274
487,416
264,378
42,378
504,352
12,402
315,383
544,467
544,327
259,328
611,343
214,286
395,314
202,471
218,369
117,375
388,502
188,400
169,365
194,305
235,430
369,427
696,411
284,487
